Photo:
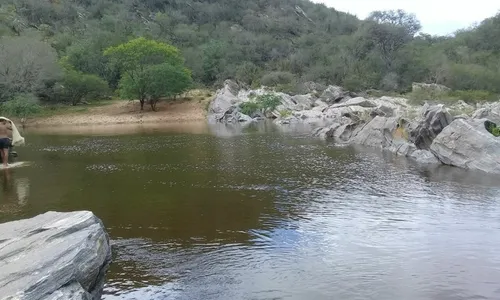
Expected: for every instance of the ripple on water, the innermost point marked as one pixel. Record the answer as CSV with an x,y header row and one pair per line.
x,y
277,217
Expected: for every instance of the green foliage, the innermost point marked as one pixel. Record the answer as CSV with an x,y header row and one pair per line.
x,y
249,108
140,52
495,131
22,106
285,113
166,80
277,43
472,96
77,87
150,70
268,102
155,82
262,103
277,78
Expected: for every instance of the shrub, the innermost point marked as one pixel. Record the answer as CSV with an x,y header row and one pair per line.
x,y
474,95
22,106
275,78
285,113
249,108
495,130
78,86
268,101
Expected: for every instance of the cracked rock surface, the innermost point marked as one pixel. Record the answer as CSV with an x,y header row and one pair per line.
x,y
54,256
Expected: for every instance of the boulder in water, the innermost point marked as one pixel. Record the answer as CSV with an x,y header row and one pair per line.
x,y
54,256
469,145
224,100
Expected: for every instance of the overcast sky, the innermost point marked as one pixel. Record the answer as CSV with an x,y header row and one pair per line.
x,y
437,16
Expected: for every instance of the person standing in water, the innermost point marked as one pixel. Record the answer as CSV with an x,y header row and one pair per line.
x,y
5,140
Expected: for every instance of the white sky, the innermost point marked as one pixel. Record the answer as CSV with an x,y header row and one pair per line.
x,y
439,17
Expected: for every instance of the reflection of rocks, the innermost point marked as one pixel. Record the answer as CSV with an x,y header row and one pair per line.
x,y
54,256
389,123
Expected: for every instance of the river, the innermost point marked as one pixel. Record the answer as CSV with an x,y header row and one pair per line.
x,y
195,213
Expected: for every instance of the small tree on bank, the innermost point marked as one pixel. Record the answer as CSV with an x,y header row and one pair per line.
x,y
150,69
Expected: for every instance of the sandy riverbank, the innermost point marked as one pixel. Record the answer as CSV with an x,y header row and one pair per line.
x,y
127,112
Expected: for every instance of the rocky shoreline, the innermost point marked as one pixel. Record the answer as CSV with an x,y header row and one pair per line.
x,y
54,256
427,134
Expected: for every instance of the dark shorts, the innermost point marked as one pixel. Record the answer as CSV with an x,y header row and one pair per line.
x,y
4,143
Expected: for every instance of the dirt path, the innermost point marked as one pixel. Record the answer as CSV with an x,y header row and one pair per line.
x,y
128,112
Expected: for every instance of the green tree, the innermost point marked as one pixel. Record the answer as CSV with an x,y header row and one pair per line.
x,y
135,59
166,80
156,82
77,87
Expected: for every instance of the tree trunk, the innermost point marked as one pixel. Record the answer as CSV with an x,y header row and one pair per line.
x,y
153,102
142,104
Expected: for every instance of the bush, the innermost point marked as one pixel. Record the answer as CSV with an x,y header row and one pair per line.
x,y
249,108
78,86
275,78
494,129
285,113
474,95
469,96
268,101
22,106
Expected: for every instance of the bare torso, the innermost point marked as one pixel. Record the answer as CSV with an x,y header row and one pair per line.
x,y
5,130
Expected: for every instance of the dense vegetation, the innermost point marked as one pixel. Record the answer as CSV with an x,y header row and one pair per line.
x,y
55,49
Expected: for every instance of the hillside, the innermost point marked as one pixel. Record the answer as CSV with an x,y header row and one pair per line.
x,y
270,42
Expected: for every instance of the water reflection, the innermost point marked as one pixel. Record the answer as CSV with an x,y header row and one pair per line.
x,y
14,192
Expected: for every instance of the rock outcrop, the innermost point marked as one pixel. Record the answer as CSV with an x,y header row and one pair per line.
x,y
434,120
489,111
224,99
468,145
54,256
389,123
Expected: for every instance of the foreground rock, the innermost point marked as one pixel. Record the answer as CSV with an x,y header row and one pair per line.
x,y
468,145
54,256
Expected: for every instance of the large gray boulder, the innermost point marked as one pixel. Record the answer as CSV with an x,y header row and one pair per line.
x,y
489,111
468,145
225,99
303,102
434,120
54,256
358,101
334,94
378,133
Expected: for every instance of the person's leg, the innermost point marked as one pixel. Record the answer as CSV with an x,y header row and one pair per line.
x,y
5,157
5,152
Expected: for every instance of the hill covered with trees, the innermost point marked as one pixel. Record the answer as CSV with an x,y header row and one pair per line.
x,y
269,42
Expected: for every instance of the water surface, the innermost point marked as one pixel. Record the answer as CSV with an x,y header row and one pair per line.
x,y
219,213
